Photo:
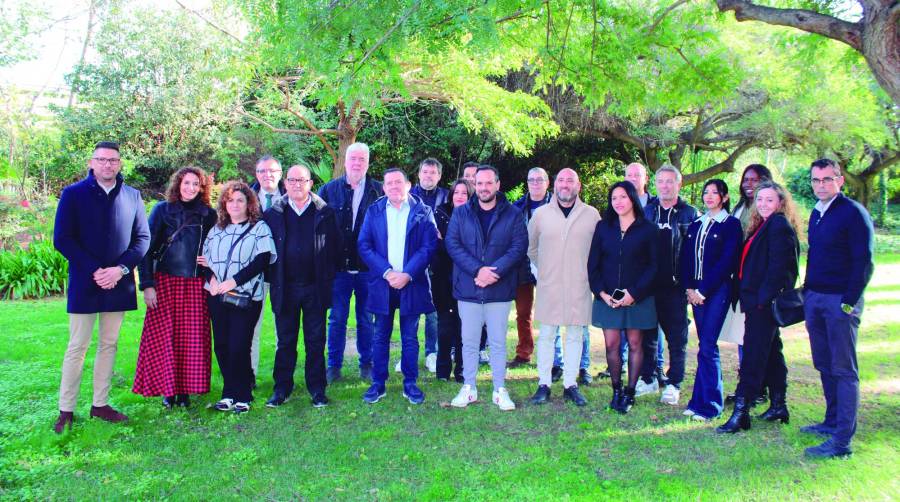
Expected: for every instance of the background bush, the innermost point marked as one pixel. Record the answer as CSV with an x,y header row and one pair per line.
x,y
33,272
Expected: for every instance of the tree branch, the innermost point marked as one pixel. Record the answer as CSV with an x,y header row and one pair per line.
x,y
806,20
726,165
662,15
384,37
209,22
273,128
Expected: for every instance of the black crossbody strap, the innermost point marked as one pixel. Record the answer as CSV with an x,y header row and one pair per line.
x,y
234,245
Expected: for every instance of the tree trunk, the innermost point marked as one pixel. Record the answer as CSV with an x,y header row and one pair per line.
x,y
92,12
881,44
349,125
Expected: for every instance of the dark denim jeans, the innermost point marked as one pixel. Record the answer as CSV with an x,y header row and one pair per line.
x,y
409,344
431,333
707,399
346,284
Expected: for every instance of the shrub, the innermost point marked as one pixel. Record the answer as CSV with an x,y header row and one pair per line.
x,y
35,272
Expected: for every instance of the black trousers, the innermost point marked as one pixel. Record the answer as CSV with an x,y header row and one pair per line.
x,y
672,315
449,337
763,362
232,334
300,299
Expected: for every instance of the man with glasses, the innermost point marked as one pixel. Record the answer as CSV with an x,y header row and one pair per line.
x,y
268,187
838,268
350,196
673,216
307,242
432,195
101,229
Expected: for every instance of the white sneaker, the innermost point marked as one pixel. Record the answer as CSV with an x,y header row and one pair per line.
x,y
688,412
483,357
670,395
431,362
467,394
397,368
642,387
501,399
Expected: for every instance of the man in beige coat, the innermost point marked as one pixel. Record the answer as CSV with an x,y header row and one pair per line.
x,y
559,238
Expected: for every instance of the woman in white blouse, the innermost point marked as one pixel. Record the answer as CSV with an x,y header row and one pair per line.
x,y
237,251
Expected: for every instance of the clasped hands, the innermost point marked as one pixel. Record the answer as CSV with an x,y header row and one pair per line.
x,y
108,277
486,276
397,280
626,300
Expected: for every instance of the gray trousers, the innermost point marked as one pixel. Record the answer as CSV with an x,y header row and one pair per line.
x,y
832,339
572,348
494,317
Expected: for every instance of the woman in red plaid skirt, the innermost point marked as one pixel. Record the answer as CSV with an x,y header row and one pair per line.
x,y
174,356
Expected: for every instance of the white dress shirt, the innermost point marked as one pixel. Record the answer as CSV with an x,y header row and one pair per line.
x,y
396,233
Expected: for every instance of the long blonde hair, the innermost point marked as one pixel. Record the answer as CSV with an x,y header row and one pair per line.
x,y
787,208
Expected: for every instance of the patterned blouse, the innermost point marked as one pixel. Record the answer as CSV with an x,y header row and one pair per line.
x,y
257,241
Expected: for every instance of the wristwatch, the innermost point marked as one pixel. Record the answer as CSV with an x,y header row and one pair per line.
x,y
125,270
846,308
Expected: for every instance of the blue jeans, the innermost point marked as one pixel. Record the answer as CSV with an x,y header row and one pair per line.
x,y
431,333
707,399
585,350
346,284
409,346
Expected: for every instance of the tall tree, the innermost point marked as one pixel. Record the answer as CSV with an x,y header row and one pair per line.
x,y
875,35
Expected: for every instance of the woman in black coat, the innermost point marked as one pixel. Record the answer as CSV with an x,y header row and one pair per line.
x,y
768,266
174,356
621,267
449,327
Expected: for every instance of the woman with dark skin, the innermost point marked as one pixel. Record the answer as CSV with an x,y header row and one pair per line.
x,y
174,355
621,266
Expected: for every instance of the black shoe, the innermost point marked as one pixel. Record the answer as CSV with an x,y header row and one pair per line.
x,y
459,379
627,400
821,430
319,400
616,400
828,449
778,409
740,418
584,378
603,374
333,374
556,373
572,394
542,395
365,372
276,400
517,362
168,402
182,400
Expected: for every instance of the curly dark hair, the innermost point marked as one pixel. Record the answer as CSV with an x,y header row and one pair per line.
x,y
253,212
173,193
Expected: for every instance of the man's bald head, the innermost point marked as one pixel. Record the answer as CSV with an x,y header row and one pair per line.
x,y
298,183
636,173
566,186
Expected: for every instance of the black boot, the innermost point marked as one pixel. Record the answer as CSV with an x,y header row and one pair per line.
x,y
740,418
778,409
616,396
627,400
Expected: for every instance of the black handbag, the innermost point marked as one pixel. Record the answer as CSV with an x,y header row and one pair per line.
x,y
233,298
787,307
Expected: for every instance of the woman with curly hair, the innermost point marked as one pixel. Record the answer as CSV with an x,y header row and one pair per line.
x,y
768,265
174,355
237,251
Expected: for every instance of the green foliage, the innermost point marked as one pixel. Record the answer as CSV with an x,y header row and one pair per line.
x,y
22,220
596,179
35,272
516,192
797,181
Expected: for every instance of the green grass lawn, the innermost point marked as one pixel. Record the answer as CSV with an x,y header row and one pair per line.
x,y
394,450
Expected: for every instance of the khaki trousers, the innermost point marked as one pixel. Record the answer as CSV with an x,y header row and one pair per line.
x,y
81,330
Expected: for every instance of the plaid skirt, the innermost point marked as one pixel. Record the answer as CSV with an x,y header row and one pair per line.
x,y
174,356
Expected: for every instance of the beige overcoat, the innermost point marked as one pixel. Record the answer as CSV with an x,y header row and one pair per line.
x,y
558,246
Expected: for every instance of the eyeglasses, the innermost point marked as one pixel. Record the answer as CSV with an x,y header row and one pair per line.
x,y
104,160
823,181
298,181
268,171
535,181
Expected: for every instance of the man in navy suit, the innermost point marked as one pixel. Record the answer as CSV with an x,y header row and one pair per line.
x,y
101,229
397,240
841,243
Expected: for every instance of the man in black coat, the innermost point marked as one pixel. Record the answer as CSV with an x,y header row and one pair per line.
x,y
672,216
101,228
841,243
307,240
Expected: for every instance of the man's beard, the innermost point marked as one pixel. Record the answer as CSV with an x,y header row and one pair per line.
x,y
487,197
570,198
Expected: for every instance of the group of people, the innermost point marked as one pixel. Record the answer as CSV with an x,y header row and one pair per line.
x,y
461,257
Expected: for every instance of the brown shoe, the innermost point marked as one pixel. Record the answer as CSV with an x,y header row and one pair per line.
x,y
107,413
518,362
66,418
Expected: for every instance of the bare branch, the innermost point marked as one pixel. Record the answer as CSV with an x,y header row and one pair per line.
x,y
662,15
726,166
273,128
209,21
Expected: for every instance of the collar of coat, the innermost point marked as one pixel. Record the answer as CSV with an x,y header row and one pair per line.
x,y
280,203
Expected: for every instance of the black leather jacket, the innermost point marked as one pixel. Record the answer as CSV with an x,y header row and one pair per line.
x,y
682,216
177,231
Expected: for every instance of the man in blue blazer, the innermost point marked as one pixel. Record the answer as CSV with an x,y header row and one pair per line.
x,y
397,240
101,228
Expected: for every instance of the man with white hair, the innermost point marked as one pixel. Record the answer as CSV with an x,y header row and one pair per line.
x,y
350,196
